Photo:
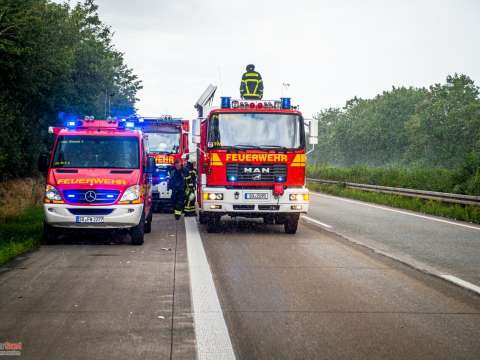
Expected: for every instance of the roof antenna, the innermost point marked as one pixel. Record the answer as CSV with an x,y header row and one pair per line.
x,y
285,87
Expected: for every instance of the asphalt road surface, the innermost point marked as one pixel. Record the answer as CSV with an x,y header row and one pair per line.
x,y
101,298
315,296
450,247
249,291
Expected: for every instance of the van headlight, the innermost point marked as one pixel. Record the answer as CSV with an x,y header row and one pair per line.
x,y
132,195
52,194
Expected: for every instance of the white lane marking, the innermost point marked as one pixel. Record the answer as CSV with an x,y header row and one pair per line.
x,y
462,283
397,211
213,340
312,220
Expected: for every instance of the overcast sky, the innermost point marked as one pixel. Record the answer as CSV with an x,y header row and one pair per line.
x,y
329,51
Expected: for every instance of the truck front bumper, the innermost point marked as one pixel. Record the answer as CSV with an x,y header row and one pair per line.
x,y
161,194
114,216
236,201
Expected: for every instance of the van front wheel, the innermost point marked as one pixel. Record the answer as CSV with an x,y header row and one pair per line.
x,y
137,232
50,234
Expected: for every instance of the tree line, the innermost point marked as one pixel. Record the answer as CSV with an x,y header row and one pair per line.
x,y
55,59
437,126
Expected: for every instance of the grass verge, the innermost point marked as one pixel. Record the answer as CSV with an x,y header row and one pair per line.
x,y
468,213
20,233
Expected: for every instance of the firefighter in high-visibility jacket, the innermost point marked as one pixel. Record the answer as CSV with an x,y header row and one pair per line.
x,y
251,86
190,185
177,185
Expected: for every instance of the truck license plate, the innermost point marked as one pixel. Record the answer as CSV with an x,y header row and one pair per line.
x,y
89,219
256,196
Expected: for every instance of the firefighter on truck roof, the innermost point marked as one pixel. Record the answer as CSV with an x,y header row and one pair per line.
x,y
251,86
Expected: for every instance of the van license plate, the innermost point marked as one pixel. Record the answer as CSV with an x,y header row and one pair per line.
x,y
256,196
89,219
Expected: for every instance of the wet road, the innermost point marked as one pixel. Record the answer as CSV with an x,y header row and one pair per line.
x,y
315,296
447,246
101,298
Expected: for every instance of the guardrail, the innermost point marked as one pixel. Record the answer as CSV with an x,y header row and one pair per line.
x,y
422,194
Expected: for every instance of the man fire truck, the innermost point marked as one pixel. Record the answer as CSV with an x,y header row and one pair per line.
x,y
97,178
167,142
251,162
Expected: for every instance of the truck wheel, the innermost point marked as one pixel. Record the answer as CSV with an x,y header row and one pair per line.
x,y
148,223
50,234
202,218
213,224
137,232
291,224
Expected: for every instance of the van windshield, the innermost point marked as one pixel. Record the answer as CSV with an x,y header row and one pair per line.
x,y
78,151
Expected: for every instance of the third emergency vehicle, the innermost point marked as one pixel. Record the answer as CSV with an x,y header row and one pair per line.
x,y
167,141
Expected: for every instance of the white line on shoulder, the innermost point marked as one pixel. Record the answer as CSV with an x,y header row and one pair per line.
x,y
462,283
312,220
213,340
398,211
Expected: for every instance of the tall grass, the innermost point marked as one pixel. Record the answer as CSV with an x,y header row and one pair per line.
x,y
432,179
20,233
19,194
21,216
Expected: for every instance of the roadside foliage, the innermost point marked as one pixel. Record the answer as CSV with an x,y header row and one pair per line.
x,y
406,137
54,59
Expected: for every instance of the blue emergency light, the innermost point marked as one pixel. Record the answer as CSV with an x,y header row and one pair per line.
x,y
279,179
286,103
225,101
232,178
73,124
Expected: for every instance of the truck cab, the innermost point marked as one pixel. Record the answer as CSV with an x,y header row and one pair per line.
x,y
97,178
252,157
167,139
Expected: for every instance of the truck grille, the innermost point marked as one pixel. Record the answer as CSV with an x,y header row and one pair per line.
x,y
255,172
94,196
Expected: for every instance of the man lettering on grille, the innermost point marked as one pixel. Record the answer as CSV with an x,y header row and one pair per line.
x,y
251,86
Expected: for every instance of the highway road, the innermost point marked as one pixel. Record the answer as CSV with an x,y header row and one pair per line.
x,y
434,243
101,298
315,296
249,291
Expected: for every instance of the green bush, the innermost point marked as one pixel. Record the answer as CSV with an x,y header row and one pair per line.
x,y
432,179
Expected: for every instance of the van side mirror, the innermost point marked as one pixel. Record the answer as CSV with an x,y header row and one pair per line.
x,y
313,132
151,165
42,164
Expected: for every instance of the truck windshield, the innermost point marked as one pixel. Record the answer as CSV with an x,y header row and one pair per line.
x,y
256,130
78,151
164,142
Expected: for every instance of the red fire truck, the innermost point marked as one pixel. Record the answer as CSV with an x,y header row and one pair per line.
x,y
97,178
251,162
167,141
